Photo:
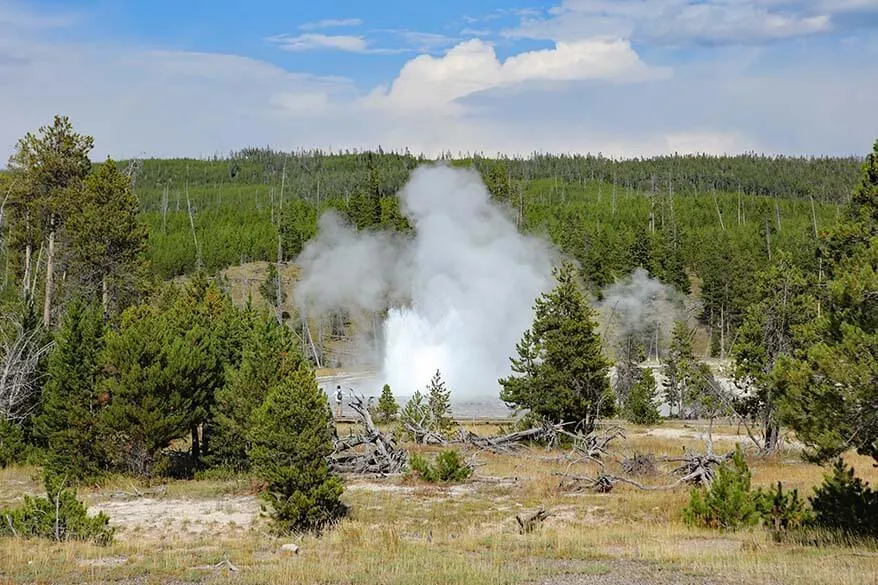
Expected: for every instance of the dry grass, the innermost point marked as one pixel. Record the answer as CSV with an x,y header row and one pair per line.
x,y
402,532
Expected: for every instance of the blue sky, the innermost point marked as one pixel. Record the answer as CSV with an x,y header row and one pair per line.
x,y
622,77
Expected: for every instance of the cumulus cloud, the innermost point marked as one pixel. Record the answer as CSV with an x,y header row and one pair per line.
x,y
473,66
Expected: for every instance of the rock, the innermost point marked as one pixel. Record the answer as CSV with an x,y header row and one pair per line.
x,y
290,548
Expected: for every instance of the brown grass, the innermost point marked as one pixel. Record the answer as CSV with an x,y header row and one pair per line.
x,y
402,532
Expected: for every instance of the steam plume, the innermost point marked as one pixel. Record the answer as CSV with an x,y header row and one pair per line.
x,y
461,289
641,306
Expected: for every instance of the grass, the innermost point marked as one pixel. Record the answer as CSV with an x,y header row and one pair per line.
x,y
402,532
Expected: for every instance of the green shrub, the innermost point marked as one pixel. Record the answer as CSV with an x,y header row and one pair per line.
x,y
59,516
448,467
12,443
420,465
781,511
845,503
727,503
387,407
640,404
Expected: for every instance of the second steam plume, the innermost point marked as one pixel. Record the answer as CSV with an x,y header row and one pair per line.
x,y
460,290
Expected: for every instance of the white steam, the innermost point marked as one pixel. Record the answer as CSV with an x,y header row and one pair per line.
x,y
641,306
461,290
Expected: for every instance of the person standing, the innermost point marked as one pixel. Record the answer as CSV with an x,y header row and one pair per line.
x,y
338,399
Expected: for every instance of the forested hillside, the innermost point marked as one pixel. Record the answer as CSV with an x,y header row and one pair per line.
x,y
611,216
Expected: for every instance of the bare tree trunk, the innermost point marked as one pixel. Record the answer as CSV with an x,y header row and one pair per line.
x,y
105,296
26,281
50,268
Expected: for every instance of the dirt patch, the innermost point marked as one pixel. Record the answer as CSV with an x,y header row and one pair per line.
x,y
147,517
621,572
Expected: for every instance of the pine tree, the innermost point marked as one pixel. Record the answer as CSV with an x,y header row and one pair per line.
x,y
830,385
629,355
560,373
439,403
640,405
107,240
154,374
48,172
272,289
291,438
845,502
676,366
387,406
71,396
765,335
415,415
270,354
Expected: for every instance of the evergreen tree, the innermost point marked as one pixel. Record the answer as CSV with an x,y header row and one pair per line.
x,y
629,356
106,239
830,385
846,503
387,406
298,224
291,438
48,172
640,404
560,373
676,366
72,397
415,415
272,289
153,375
270,354
765,335
439,403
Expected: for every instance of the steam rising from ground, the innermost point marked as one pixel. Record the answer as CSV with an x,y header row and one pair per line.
x,y
641,306
461,289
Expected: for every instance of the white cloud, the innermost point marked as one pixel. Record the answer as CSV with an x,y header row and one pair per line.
x,y
473,66
316,41
331,23
594,95
686,21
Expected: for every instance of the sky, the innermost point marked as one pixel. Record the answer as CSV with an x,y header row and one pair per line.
x,y
623,78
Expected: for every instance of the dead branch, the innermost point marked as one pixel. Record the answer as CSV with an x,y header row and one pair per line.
x,y
20,356
371,452
527,524
507,444
639,464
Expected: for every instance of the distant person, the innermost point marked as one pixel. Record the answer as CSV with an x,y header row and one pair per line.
x,y
338,397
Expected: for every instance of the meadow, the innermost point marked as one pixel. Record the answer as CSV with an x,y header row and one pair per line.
x,y
401,530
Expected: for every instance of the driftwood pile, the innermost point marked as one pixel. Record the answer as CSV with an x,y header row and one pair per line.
x,y
697,469
369,453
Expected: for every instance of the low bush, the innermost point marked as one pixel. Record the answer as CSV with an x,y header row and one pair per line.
x,y
59,516
727,503
448,467
845,503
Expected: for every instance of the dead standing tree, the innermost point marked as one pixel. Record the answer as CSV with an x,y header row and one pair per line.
x,y
21,351
371,452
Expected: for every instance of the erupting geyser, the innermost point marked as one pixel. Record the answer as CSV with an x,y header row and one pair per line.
x,y
461,290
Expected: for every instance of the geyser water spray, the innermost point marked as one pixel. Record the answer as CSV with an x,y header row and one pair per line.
x,y
460,290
